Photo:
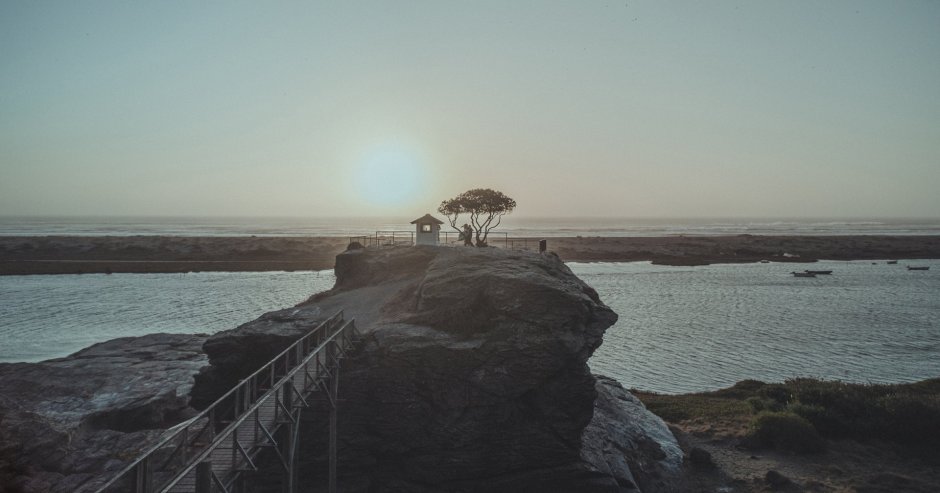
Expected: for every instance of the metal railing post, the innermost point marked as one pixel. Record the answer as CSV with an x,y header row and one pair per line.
x,y
334,389
143,478
204,477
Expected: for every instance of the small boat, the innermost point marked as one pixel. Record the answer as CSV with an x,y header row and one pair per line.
x,y
911,267
803,274
765,261
891,262
820,272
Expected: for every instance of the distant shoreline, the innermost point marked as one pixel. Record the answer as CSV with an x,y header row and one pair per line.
x,y
22,255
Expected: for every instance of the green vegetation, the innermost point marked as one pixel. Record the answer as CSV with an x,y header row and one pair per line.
x,y
795,414
693,406
786,431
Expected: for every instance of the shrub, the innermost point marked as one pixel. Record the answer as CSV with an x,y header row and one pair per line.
x,y
809,412
786,431
908,414
775,392
758,404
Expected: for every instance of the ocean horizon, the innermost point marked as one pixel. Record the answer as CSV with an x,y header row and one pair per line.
x,y
518,226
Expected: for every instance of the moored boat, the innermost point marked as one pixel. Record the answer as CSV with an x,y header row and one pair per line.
x,y
911,267
891,262
820,272
803,274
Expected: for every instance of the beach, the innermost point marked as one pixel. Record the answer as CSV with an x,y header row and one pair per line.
x,y
21,255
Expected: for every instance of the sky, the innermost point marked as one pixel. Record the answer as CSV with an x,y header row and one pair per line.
x,y
627,109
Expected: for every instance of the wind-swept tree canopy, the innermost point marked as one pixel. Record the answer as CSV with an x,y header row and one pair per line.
x,y
483,205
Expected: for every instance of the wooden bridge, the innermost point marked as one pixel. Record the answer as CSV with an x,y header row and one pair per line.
x,y
210,452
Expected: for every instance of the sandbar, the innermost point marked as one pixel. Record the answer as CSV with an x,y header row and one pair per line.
x,y
177,254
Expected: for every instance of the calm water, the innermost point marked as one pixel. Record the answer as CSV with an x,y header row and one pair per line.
x,y
512,224
45,317
681,329
685,329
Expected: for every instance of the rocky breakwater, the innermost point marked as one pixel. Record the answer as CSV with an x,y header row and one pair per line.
x,y
472,376
68,423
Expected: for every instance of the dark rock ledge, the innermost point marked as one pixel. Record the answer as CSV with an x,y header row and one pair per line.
x,y
66,421
472,376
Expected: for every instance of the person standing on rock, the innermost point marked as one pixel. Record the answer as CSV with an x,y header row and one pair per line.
x,y
467,235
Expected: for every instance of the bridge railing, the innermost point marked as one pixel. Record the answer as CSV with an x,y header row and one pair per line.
x,y
178,453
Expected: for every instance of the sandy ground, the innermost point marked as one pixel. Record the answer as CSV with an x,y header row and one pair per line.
x,y
88,254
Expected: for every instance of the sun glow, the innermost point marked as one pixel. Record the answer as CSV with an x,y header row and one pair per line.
x,y
390,177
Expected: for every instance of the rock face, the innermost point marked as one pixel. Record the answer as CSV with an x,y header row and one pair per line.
x,y
66,421
472,376
476,375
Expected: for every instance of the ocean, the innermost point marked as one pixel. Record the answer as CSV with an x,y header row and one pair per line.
x,y
512,225
681,329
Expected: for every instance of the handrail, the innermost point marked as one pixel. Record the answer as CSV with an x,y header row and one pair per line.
x,y
209,412
235,425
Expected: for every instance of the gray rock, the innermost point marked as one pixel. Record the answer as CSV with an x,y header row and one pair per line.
x,y
700,457
631,444
472,377
65,421
778,481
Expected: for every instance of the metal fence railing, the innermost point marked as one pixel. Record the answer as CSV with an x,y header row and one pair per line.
x,y
385,239
207,452
495,239
447,238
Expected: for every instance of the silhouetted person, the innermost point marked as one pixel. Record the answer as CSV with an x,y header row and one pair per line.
x,y
467,235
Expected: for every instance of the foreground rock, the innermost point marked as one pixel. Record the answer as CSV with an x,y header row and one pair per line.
x,y
66,421
638,449
472,377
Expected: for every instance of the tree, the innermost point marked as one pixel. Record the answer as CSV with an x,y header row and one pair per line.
x,y
483,205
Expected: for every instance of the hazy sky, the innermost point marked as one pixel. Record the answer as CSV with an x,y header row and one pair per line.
x,y
386,108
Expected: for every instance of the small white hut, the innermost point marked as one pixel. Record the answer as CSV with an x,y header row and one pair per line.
x,y
427,230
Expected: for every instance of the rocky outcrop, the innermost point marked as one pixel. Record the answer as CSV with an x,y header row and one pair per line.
x,y
66,421
472,376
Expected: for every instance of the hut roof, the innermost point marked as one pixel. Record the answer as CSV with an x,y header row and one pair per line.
x,y
427,218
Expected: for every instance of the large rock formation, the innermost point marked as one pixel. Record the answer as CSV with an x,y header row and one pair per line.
x,y
472,376
66,421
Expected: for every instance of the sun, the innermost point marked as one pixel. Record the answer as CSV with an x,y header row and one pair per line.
x,y
389,177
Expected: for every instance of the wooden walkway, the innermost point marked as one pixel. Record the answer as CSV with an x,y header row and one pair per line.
x,y
210,452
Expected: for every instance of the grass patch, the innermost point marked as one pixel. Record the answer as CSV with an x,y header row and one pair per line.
x,y
906,414
676,408
786,431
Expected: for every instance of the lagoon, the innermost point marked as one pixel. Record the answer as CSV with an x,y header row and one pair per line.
x,y
681,329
